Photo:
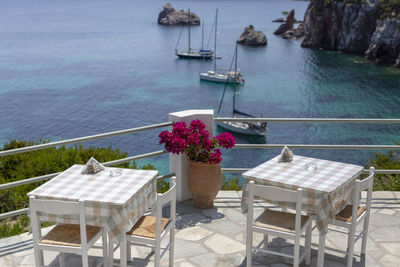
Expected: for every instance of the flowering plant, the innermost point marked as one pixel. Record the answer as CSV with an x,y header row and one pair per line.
x,y
195,142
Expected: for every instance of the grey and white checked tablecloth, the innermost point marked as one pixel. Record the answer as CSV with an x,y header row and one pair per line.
x,y
326,190
115,202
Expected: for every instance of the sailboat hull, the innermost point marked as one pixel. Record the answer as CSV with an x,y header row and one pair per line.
x,y
241,128
218,78
196,55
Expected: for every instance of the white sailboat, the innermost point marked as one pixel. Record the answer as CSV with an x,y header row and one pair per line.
x,y
245,128
221,76
193,52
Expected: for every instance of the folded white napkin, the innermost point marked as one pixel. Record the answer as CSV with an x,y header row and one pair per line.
x,y
286,155
92,166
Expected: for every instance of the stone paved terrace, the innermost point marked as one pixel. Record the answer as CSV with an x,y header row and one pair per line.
x,y
216,237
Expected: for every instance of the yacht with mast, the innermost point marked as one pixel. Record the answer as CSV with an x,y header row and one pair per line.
x,y
193,52
222,76
245,128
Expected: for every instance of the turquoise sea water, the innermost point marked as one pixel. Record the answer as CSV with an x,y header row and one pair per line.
x,y
76,68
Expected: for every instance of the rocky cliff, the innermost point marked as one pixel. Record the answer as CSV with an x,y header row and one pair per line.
x,y
353,28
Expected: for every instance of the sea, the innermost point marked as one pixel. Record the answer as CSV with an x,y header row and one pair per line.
x,y
72,68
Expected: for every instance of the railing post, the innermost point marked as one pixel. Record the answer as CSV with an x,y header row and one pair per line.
x,y
179,164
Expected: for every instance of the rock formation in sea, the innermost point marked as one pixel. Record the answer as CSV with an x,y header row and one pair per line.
x,y
168,16
252,37
288,25
287,30
361,28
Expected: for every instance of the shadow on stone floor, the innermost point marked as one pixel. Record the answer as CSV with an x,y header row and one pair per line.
x,y
16,247
281,245
74,260
188,215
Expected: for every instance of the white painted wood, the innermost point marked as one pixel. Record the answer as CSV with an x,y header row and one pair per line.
x,y
168,197
178,164
277,194
60,208
321,250
365,184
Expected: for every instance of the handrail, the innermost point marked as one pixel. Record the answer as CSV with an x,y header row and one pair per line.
x,y
108,163
82,139
365,171
309,146
310,120
237,146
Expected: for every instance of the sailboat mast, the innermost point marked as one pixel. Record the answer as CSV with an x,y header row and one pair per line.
x,y
236,61
202,35
215,41
189,29
234,82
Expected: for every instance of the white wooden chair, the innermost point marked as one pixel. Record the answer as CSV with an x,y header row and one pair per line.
x,y
149,231
65,238
345,218
277,223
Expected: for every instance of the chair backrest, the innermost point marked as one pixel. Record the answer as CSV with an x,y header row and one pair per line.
x,y
56,207
275,194
162,199
361,185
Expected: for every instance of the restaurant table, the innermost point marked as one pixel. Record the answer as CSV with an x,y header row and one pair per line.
x,y
115,198
327,187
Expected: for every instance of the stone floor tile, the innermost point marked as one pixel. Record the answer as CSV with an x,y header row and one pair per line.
x,y
224,227
234,215
383,220
389,261
392,247
186,264
387,211
221,245
213,260
386,234
187,249
194,233
191,219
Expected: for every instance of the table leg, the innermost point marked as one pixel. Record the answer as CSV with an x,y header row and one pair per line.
x,y
122,252
321,250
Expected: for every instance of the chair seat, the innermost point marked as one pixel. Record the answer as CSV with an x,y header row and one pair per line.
x,y
68,235
346,214
146,227
279,220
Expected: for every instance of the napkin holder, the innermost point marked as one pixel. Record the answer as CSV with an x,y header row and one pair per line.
x,y
92,167
286,155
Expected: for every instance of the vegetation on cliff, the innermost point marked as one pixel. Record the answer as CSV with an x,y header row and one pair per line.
x,y
387,8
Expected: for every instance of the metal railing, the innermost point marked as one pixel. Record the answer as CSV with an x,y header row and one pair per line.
x,y
237,146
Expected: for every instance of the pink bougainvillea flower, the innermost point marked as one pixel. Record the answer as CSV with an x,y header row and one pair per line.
x,y
215,157
197,125
180,129
195,142
225,140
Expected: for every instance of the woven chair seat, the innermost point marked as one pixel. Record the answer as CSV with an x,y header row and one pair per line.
x,y
346,214
68,235
279,220
146,227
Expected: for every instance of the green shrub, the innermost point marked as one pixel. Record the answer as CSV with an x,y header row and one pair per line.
x,y
46,161
231,184
388,182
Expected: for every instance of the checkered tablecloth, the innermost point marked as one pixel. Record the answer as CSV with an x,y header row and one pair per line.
x,y
115,202
326,190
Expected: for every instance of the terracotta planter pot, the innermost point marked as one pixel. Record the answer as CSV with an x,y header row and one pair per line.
x,y
204,182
